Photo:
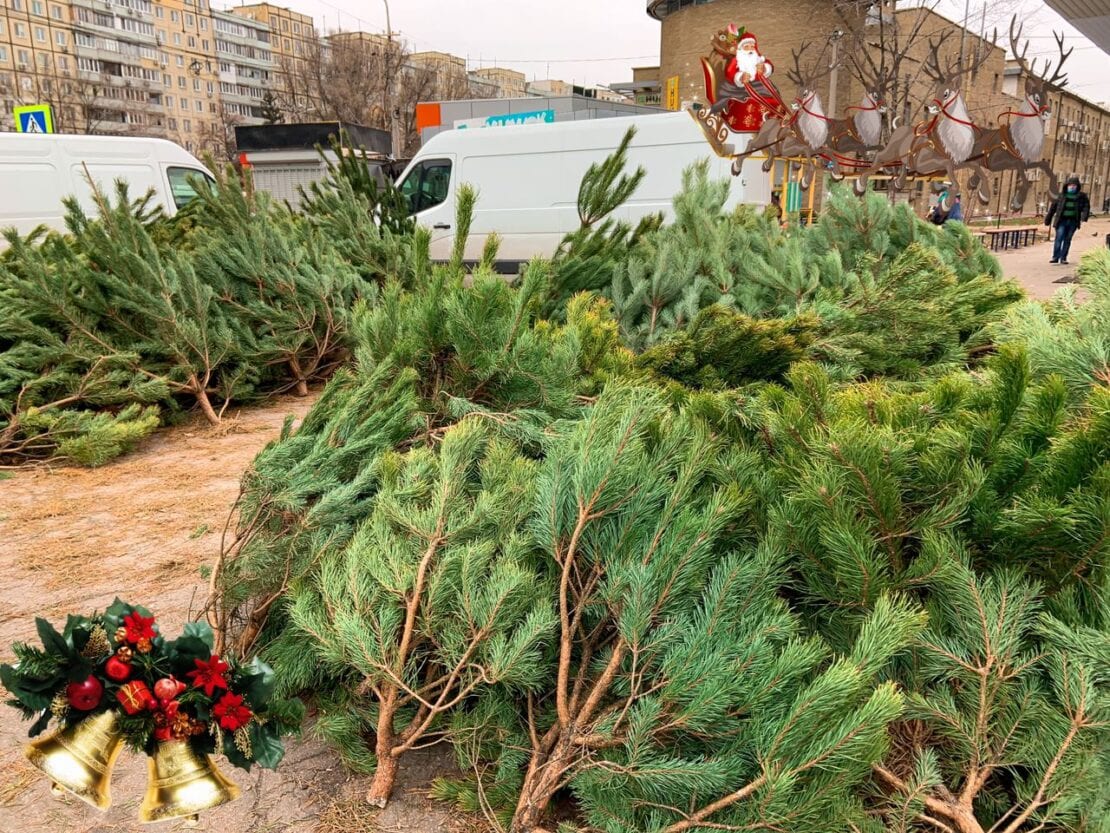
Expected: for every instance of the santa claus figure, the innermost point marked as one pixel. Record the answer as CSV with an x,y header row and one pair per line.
x,y
747,69
748,63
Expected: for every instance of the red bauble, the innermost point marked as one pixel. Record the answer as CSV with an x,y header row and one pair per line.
x,y
168,688
117,669
85,695
163,734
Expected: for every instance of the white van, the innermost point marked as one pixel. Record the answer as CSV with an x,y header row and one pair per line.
x,y
37,171
527,179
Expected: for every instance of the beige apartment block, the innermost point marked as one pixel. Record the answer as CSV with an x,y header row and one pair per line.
x,y
508,82
294,44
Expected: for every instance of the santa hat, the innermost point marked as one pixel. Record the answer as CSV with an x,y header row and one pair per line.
x,y
748,37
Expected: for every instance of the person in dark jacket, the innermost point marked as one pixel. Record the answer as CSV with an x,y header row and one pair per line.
x,y
1071,209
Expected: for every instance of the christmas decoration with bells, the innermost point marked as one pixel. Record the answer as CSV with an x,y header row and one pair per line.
x,y
112,679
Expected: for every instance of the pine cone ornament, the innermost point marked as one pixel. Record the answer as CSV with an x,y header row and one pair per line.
x,y
121,635
125,653
97,647
143,646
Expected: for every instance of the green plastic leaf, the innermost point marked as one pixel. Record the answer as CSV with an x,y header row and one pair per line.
x,y
202,631
266,746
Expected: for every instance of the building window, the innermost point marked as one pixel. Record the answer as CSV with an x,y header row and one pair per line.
x,y
159,12
56,12
167,80
181,63
25,82
20,30
36,7
187,125
181,81
44,60
40,34
210,90
63,63
17,5
177,39
204,24
189,21
23,57
288,46
192,42
296,28
284,23
200,106
60,38
174,16
204,45
3,54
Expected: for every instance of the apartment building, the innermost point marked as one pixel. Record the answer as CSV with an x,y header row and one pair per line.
x,y
508,82
246,66
294,43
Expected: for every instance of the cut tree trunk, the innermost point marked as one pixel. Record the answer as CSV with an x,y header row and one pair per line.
x,y
302,385
206,405
386,773
542,781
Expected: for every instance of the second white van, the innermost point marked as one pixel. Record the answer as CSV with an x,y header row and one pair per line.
x,y
527,179
37,171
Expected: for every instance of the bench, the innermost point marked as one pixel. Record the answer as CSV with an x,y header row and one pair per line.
x,y
1012,236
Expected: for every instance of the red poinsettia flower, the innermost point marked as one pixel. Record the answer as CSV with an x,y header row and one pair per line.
x,y
209,675
231,712
138,627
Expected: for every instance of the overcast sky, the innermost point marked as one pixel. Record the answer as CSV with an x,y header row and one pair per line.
x,y
599,41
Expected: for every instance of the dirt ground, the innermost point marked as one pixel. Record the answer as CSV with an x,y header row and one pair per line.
x,y
141,528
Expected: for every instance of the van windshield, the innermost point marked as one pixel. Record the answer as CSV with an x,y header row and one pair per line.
x,y
427,184
180,186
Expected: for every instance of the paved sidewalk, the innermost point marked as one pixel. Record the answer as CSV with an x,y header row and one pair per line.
x,y
1030,266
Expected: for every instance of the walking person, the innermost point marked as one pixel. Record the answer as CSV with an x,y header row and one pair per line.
x,y
1070,210
956,212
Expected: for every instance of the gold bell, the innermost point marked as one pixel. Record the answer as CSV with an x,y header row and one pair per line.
x,y
80,759
182,783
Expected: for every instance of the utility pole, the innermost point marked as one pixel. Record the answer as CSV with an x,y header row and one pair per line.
x,y
393,113
834,38
963,31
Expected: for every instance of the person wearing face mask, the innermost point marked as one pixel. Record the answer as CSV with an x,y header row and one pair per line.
x,y
1071,209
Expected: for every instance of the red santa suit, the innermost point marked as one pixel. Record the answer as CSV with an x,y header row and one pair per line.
x,y
748,63
748,69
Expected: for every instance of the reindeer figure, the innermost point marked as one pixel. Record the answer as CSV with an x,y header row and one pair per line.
x,y
804,132
862,132
945,143
1017,146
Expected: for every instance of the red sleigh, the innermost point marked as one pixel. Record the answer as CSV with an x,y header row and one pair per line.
x,y
743,116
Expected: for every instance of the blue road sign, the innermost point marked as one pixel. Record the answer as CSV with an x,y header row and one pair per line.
x,y
35,118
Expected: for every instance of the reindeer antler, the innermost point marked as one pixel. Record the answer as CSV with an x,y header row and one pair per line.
x,y
981,57
795,74
1019,55
932,66
1058,79
808,76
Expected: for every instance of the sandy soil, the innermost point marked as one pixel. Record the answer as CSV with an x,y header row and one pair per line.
x,y
141,528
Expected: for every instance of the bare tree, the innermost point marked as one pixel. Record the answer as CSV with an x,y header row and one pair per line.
x,y
217,137
368,80
73,100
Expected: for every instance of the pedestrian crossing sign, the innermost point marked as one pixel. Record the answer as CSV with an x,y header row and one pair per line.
x,y
34,118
